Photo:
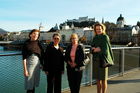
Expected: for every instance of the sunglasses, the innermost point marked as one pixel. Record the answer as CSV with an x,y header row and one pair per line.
x,y
74,38
56,38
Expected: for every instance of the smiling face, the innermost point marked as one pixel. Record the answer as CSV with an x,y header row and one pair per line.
x,y
34,36
56,39
98,30
74,39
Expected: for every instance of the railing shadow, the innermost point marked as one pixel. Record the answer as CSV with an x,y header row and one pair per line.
x,y
123,81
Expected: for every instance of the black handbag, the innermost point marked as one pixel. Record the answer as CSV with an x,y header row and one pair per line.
x,y
86,60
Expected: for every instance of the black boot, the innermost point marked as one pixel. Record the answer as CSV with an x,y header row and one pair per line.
x,y
29,91
33,90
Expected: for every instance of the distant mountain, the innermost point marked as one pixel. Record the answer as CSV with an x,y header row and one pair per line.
x,y
2,31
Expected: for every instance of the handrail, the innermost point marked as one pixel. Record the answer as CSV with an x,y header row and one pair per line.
x,y
10,53
120,68
87,50
125,47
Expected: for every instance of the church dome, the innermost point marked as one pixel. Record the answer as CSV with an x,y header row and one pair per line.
x,y
120,18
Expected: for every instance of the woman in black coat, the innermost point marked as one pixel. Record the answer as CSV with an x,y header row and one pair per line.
x,y
54,65
74,58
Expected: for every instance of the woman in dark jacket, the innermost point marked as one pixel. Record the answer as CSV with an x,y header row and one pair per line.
x,y
74,58
54,65
32,58
101,49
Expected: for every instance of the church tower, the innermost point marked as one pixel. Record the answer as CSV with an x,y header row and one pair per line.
x,y
103,21
120,21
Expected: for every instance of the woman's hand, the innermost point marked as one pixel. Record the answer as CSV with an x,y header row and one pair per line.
x,y
46,72
98,49
72,64
26,73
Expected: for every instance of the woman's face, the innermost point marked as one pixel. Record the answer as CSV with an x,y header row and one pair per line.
x,y
74,39
99,30
56,39
34,36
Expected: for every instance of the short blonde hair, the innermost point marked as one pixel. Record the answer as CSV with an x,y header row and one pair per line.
x,y
103,28
73,35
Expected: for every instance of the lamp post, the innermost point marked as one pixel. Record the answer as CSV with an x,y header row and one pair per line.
x,y
40,26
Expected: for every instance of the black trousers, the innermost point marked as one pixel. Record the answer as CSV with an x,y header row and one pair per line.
x,y
31,91
54,82
74,79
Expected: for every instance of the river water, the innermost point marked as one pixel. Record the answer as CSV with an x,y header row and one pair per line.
x,y
12,79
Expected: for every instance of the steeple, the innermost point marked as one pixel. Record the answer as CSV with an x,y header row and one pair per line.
x,y
56,27
102,20
40,26
72,25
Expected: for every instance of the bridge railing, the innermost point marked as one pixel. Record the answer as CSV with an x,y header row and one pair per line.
x,y
12,78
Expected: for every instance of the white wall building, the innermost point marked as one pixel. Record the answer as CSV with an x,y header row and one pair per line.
x,y
66,33
81,19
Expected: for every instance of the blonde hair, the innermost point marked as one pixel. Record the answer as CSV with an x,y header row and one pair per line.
x,y
73,35
102,26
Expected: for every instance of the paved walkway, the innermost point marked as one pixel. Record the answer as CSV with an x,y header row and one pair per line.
x,y
129,83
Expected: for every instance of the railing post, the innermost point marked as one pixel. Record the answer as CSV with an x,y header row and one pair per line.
x,y
122,65
91,68
139,58
120,61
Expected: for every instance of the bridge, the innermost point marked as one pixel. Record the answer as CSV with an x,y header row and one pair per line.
x,y
127,59
128,83
5,42
11,42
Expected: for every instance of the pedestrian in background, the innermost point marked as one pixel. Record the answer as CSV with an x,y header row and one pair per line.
x,y
32,58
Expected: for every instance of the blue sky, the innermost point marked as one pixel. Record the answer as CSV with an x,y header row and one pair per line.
x,y
16,15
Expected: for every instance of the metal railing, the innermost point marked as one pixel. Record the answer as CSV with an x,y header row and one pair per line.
x,y
127,58
12,78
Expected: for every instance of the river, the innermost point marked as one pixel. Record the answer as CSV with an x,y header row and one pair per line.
x,y
12,79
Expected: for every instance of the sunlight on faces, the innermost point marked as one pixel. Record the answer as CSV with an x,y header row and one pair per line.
x,y
34,36
56,39
99,30
74,38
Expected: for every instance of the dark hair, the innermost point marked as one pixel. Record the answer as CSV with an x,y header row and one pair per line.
x,y
34,30
56,34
